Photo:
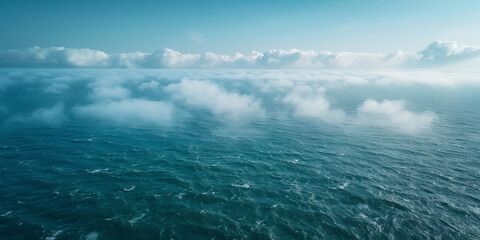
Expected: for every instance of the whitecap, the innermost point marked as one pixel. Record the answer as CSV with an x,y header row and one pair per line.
x,y
343,186
136,219
97,170
6,214
91,236
129,189
180,195
242,186
54,235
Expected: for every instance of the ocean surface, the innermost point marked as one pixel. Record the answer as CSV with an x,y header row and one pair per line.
x,y
157,154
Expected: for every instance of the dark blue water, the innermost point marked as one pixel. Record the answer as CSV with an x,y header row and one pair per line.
x,y
205,174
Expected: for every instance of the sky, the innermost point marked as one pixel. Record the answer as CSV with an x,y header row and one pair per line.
x,y
228,26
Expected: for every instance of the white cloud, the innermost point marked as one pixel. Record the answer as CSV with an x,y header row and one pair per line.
x,y
392,114
272,80
53,57
129,59
277,85
149,85
233,96
169,58
110,87
110,92
56,88
311,102
129,111
439,53
287,58
444,52
204,94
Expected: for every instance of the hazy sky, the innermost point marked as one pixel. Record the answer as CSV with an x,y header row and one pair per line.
x,y
228,26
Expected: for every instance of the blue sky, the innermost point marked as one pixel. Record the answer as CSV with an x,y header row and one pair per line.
x,y
230,26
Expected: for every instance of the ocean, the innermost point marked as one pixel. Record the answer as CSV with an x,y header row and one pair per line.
x,y
239,154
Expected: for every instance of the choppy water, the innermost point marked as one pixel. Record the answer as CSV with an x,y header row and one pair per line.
x,y
279,176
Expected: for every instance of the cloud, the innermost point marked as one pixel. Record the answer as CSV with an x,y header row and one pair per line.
x,y
110,92
56,88
53,115
276,85
439,53
129,110
159,97
207,95
287,58
53,57
444,52
129,60
311,102
110,87
169,58
149,85
392,114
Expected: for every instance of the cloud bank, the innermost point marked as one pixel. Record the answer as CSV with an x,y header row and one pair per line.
x,y
392,114
438,53
359,98
311,102
53,115
129,110
207,95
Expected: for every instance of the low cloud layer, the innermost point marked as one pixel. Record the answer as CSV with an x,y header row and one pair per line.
x,y
311,102
360,98
438,53
128,110
207,95
52,115
392,114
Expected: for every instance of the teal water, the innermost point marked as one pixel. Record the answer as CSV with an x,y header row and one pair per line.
x,y
205,175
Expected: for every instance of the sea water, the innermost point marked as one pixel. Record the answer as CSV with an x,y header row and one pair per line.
x,y
94,154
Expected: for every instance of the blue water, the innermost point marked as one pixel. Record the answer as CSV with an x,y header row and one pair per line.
x,y
203,175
